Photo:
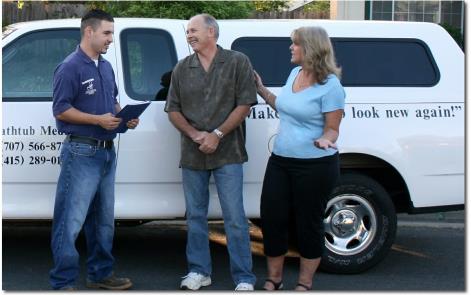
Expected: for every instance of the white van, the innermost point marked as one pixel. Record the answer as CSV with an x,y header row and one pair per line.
x,y
401,141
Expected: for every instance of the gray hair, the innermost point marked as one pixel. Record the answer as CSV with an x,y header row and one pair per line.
x,y
210,21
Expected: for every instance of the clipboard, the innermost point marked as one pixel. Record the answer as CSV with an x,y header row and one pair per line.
x,y
130,111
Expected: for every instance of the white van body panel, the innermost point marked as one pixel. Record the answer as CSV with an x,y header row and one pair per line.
x,y
427,153
153,185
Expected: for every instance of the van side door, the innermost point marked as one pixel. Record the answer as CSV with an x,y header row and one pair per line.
x,y
31,143
148,179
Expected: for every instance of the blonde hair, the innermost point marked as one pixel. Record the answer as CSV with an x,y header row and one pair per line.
x,y
319,55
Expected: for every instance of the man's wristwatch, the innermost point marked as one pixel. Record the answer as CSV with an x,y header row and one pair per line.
x,y
218,133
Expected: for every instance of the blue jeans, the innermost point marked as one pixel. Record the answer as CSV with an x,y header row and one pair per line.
x,y
228,180
84,197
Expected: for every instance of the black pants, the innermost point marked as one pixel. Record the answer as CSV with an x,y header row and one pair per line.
x,y
296,189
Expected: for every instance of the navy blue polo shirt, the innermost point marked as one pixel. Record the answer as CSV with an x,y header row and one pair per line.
x,y
79,83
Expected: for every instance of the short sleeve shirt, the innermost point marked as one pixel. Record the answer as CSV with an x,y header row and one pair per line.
x,y
302,116
81,84
206,100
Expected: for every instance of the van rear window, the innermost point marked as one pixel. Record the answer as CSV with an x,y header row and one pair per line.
x,y
269,56
374,62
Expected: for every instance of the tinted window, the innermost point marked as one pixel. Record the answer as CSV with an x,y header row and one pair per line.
x,y
385,62
148,54
270,57
364,62
29,63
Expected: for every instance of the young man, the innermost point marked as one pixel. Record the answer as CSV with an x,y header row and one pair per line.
x,y
84,104
210,95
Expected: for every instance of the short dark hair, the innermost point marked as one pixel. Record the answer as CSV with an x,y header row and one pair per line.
x,y
93,18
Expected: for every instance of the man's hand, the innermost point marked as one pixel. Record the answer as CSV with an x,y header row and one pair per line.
x,y
131,124
108,121
198,136
210,143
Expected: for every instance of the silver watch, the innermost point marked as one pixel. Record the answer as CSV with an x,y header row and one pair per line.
x,y
218,133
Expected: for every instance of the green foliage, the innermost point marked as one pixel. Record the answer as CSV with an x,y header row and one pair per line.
x,y
175,9
455,33
317,6
270,5
20,4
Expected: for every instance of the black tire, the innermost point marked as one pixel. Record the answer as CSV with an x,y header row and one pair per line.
x,y
360,228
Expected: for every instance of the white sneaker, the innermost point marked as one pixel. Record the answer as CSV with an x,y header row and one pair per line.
x,y
244,287
194,281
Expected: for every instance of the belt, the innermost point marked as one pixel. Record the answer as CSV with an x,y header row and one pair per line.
x,y
107,144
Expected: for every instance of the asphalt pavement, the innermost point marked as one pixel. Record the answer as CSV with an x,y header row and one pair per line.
x,y
427,255
450,219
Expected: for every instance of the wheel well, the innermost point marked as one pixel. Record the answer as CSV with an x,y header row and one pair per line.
x,y
383,173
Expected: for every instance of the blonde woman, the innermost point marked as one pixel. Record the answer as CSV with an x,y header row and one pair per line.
x,y
304,165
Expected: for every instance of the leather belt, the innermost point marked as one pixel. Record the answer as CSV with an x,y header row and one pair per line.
x,y
107,144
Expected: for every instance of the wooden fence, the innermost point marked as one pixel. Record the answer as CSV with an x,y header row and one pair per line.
x,y
37,10
296,14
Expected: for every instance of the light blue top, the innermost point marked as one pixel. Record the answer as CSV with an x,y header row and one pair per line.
x,y
302,119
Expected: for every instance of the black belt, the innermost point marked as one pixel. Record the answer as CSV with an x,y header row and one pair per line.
x,y
107,144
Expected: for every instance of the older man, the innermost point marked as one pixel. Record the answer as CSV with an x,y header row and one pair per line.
x,y
210,95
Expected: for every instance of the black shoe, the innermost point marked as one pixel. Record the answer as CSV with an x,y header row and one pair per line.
x,y
307,288
111,283
276,286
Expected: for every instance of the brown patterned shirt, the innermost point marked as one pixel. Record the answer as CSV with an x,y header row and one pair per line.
x,y
206,99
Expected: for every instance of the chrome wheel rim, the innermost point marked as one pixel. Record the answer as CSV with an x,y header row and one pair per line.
x,y
350,224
